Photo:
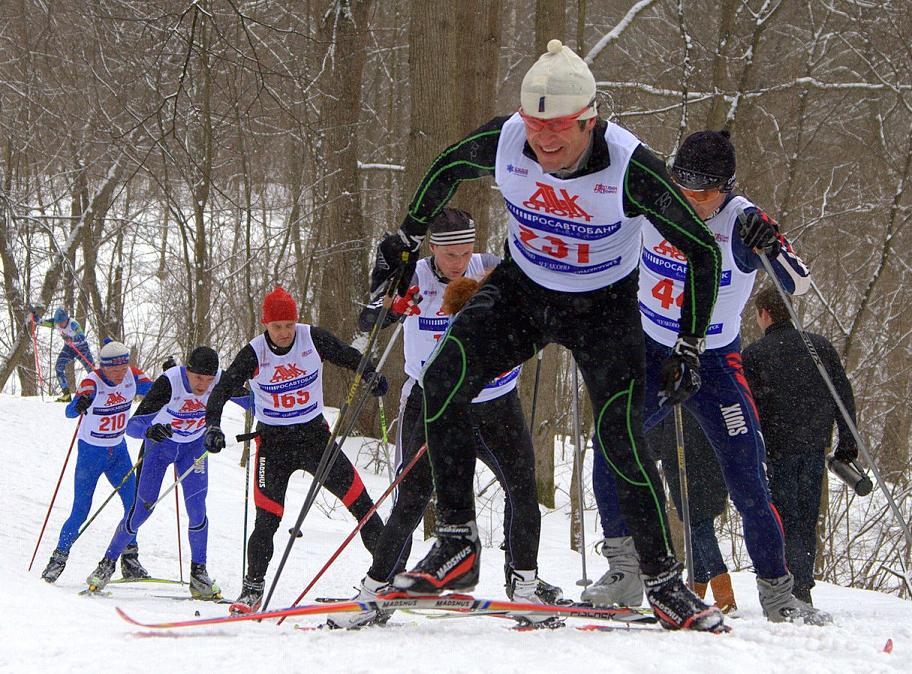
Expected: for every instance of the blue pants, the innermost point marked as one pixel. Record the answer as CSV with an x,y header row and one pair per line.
x,y
796,483
725,410
67,355
91,462
157,457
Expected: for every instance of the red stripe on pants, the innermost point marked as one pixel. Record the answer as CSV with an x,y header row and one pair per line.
x,y
356,489
260,499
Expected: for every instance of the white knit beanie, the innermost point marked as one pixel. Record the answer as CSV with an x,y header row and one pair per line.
x,y
558,84
113,354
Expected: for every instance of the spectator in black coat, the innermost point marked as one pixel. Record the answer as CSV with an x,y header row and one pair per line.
x,y
797,414
706,496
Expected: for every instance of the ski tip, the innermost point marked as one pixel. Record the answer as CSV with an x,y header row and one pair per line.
x,y
124,615
888,647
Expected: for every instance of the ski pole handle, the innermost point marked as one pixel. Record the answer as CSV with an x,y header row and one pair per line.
x,y
244,437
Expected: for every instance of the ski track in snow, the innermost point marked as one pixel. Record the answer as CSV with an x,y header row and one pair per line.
x,y
51,628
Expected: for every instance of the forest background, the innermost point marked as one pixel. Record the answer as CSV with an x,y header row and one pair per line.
x,y
163,164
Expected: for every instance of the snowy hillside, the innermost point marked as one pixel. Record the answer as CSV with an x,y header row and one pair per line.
x,y
51,628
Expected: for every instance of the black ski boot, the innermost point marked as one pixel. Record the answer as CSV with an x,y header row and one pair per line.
x,y
676,606
130,567
55,565
201,585
101,575
251,597
452,563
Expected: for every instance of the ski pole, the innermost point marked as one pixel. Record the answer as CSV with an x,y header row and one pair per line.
x,y
384,437
38,372
54,497
538,366
332,449
111,495
585,581
177,482
364,520
246,438
685,503
862,447
177,515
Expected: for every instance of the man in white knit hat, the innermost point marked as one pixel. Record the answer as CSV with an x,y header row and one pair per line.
x,y
576,189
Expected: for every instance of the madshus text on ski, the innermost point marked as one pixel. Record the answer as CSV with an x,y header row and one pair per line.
x,y
639,270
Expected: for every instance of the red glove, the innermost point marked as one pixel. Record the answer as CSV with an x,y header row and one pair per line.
x,y
407,305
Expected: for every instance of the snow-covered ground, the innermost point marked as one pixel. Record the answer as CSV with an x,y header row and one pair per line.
x,y
51,628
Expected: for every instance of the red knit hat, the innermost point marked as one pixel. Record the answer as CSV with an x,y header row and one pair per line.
x,y
279,306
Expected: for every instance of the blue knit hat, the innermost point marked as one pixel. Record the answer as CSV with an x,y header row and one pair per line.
x,y
60,315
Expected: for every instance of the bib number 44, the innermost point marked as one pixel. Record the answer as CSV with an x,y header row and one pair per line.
x,y
664,291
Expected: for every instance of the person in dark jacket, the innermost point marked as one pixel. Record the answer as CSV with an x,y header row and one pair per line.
x,y
797,414
707,496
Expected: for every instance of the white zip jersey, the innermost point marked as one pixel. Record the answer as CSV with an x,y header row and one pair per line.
x,y
662,271
105,422
568,235
423,331
185,412
287,389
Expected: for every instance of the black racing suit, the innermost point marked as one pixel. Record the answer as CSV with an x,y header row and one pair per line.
x,y
512,317
281,450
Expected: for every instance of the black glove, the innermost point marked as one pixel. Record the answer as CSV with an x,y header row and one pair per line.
x,y
214,440
759,232
82,404
395,251
159,432
681,371
845,453
169,363
378,384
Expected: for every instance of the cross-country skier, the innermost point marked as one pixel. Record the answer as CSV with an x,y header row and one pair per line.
x,y
104,398
172,420
502,438
577,190
704,168
75,347
284,366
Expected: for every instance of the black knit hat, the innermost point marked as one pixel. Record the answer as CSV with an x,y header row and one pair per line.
x,y
705,160
452,226
203,360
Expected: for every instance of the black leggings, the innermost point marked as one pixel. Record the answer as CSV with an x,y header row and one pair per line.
x,y
281,450
502,440
507,321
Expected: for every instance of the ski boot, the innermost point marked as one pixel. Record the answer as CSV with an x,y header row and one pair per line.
x,y
621,585
451,564
780,606
130,567
201,585
55,565
251,597
525,587
65,396
368,591
546,592
676,607
101,576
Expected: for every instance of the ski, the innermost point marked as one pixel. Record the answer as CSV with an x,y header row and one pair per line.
x,y
220,600
397,601
146,580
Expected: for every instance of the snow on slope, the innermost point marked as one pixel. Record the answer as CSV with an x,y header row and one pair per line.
x,y
51,628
